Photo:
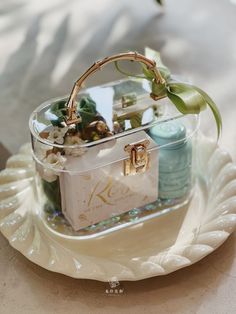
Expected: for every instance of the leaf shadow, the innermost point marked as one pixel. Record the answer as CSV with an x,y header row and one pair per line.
x,y
26,79
20,61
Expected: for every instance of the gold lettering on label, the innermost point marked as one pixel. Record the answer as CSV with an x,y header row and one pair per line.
x,y
101,195
110,194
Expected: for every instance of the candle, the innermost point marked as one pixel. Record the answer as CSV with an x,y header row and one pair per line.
x,y
175,160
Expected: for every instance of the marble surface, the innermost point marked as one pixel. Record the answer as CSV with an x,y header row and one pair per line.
x,y
44,47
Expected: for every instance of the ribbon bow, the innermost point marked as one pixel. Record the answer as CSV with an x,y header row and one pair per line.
x,y
187,98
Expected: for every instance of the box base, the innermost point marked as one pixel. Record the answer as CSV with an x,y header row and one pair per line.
x,y
117,222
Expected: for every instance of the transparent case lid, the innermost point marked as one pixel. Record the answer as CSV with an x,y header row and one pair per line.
x,y
107,111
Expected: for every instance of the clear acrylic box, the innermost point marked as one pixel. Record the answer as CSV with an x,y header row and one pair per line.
x,y
131,159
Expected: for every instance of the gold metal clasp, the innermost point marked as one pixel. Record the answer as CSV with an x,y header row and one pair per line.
x,y
72,116
138,161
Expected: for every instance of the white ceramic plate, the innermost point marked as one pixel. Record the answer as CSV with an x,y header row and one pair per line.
x,y
151,248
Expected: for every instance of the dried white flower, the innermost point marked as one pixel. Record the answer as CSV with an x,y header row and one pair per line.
x,y
56,135
55,160
74,140
51,164
41,150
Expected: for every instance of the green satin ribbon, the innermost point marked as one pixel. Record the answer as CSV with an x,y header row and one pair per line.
x,y
187,98
191,99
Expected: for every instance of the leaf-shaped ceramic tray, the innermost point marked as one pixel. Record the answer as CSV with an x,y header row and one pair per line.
x,y
151,248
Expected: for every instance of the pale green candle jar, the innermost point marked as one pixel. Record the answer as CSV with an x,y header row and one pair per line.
x,y
175,162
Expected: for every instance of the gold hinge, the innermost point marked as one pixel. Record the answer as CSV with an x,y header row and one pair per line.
x,y
138,161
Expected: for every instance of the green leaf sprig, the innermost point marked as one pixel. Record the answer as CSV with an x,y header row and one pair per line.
x,y
187,98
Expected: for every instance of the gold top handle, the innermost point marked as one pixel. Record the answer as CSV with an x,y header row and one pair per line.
x,y
72,117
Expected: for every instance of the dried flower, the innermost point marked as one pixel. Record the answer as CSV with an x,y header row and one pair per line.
x,y
74,140
101,127
56,160
42,150
51,163
56,135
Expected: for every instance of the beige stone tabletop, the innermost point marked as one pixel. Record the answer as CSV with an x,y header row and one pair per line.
x,y
44,46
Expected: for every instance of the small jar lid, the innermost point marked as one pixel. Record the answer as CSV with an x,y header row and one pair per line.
x,y
172,132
